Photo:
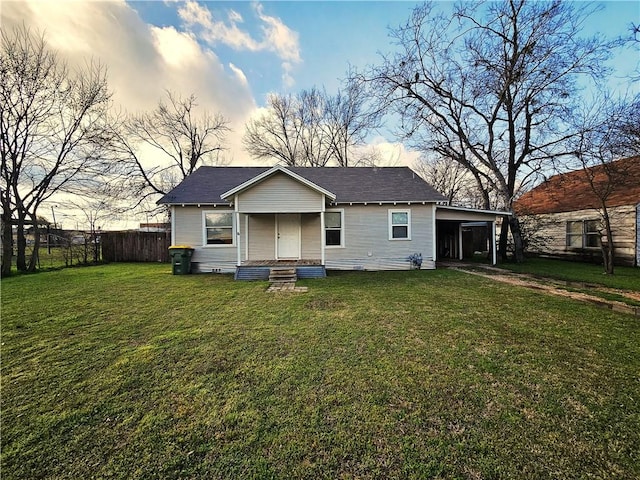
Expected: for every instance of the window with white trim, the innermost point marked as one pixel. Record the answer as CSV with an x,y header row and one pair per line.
x,y
334,228
583,234
218,228
400,224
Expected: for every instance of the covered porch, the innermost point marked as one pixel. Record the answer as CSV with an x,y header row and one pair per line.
x,y
279,220
280,239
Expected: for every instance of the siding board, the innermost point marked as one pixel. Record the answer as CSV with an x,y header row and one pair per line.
x,y
189,231
367,244
262,243
280,194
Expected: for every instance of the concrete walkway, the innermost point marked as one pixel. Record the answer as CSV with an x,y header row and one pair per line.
x,y
553,287
286,287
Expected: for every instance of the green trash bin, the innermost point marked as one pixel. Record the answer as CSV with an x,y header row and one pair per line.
x,y
180,259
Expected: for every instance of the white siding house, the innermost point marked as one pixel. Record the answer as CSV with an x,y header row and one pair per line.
x,y
333,218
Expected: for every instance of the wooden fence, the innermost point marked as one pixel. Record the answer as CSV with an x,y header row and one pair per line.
x,y
135,246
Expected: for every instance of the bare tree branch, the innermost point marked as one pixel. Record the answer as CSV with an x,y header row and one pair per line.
x,y
491,87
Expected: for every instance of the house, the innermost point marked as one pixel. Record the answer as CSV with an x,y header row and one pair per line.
x,y
567,212
245,219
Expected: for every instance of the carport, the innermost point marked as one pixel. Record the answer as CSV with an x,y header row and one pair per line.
x,y
452,224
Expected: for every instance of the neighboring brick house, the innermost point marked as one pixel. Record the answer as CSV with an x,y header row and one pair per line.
x,y
567,212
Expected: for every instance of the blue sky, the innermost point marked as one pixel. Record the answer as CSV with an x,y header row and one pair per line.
x,y
330,34
231,54
333,34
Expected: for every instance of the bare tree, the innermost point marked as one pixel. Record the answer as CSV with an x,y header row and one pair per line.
x,y
275,133
608,132
489,87
313,134
311,128
349,118
182,138
51,132
452,180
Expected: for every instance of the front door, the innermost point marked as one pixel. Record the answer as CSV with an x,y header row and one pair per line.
x,y
288,236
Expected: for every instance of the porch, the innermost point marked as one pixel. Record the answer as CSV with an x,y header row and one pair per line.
x,y
262,269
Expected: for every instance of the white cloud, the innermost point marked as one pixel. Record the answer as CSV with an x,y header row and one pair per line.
x,y
142,60
235,17
212,31
390,154
276,36
239,73
178,49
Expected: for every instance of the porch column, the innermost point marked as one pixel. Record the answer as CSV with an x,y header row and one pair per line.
x,y
322,237
493,242
238,238
238,232
460,241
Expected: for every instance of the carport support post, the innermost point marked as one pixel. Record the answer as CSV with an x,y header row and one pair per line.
x,y
493,242
460,256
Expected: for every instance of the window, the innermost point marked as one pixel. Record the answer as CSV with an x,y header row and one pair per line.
x,y
218,228
399,224
583,234
574,234
333,228
591,234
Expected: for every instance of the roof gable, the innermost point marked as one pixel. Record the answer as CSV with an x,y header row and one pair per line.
x,y
572,191
207,185
264,175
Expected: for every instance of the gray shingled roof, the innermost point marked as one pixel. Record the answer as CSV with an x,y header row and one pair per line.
x,y
350,184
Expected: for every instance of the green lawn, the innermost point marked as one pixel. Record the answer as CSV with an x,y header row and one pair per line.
x,y
626,278
59,257
125,371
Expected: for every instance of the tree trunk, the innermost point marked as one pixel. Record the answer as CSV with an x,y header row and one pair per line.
x,y
21,244
33,261
504,237
7,244
607,250
514,225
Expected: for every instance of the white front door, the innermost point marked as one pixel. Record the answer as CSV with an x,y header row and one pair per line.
x,y
288,236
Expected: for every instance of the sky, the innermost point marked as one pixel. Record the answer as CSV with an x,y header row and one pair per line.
x,y
232,54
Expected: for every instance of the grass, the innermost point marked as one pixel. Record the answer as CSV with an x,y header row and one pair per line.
x,y
125,371
57,257
625,278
